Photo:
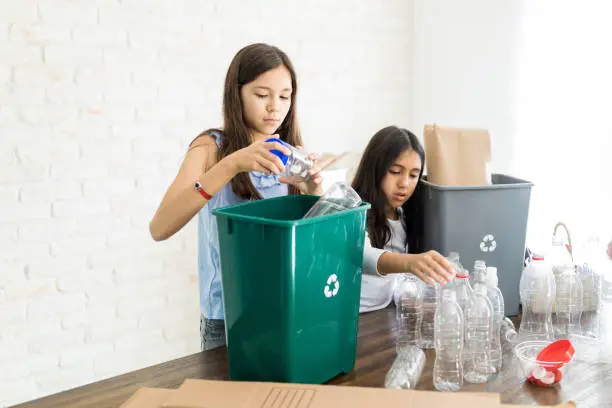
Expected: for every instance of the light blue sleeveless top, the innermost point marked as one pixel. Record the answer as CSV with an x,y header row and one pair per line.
x,y
209,267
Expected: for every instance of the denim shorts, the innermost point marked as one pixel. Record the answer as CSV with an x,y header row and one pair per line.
x,y
212,333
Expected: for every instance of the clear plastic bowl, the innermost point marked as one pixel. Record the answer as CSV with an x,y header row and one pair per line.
x,y
541,373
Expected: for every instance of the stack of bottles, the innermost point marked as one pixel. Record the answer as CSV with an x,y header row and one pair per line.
x,y
561,300
464,320
466,326
552,299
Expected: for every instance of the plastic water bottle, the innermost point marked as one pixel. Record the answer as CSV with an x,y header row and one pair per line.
x,y
448,366
478,323
480,267
568,302
537,291
508,338
338,197
558,255
508,334
454,258
592,285
461,286
296,163
409,308
497,303
430,302
406,368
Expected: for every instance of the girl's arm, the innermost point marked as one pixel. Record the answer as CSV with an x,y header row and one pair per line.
x,y
431,267
181,202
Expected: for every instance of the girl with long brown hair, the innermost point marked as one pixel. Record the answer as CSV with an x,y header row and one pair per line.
x,y
233,164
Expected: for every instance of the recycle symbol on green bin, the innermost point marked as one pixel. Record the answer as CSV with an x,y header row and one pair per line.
x,y
331,281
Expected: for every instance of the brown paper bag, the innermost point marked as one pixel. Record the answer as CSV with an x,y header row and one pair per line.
x,y
457,157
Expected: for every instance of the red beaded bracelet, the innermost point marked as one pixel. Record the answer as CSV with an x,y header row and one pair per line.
x,y
198,187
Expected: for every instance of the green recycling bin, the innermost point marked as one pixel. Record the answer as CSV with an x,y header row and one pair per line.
x,y
290,289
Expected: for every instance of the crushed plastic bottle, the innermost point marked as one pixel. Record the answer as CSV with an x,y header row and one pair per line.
x,y
406,368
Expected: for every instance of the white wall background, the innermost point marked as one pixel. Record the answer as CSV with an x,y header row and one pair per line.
x,y
564,135
464,64
536,74
98,101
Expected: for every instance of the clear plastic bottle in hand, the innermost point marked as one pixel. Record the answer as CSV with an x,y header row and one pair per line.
x,y
461,282
296,163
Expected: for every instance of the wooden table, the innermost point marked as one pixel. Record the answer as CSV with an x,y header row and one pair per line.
x,y
587,384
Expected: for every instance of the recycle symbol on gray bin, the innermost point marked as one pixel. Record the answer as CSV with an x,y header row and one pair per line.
x,y
488,243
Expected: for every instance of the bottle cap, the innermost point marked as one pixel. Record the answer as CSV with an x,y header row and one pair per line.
x,y
559,352
283,157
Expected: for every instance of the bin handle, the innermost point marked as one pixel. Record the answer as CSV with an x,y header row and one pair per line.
x,y
230,226
568,246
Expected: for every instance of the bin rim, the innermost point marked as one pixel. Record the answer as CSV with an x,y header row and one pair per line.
x,y
226,211
519,184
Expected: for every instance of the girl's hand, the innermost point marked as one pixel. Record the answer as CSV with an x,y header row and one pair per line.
x,y
431,267
257,157
311,186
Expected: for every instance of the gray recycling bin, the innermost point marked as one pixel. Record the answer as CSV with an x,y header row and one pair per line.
x,y
482,222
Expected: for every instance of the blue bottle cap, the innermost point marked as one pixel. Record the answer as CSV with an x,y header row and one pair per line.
x,y
278,153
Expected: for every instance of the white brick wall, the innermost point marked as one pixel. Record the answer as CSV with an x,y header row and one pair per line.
x,y
98,100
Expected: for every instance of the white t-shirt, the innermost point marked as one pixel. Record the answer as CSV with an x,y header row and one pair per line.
x,y
376,289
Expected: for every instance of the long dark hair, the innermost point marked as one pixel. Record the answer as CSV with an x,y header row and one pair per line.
x,y
382,151
249,63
